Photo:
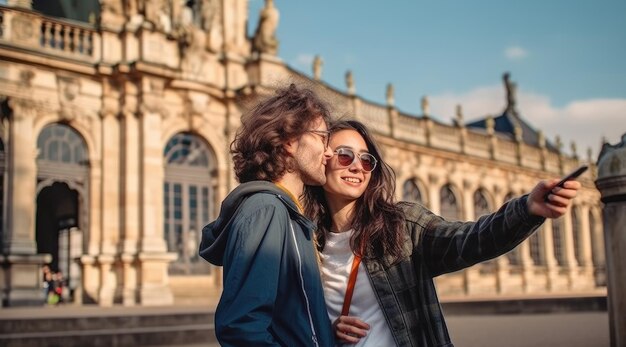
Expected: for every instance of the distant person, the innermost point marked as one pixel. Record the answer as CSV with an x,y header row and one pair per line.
x,y
272,293
46,282
389,298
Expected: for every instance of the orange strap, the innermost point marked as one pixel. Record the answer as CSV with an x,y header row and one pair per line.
x,y
350,289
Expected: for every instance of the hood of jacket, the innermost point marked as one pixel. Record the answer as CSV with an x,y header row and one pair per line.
x,y
215,234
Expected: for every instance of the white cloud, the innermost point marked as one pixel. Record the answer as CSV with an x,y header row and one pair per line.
x,y
515,53
582,121
304,61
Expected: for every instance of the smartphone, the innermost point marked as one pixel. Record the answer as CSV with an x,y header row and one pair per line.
x,y
572,175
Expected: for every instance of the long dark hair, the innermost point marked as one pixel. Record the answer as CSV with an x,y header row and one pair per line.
x,y
258,149
377,220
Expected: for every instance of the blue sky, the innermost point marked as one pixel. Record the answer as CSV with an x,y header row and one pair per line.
x,y
568,57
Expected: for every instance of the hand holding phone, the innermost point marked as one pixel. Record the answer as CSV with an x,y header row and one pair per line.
x,y
571,176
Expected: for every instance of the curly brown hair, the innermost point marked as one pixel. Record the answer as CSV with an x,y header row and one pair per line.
x,y
258,149
378,221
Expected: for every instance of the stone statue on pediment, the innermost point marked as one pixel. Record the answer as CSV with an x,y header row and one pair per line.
x,y
317,68
158,13
425,106
350,83
211,24
390,95
511,91
264,40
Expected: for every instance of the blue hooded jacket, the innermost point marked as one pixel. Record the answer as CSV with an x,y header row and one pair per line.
x,y
272,293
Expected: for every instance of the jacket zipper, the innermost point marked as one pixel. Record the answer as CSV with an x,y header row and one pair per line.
x,y
306,298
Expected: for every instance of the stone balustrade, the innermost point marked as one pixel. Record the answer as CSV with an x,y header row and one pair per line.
x,y
28,30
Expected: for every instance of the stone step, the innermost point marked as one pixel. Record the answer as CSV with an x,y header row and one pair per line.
x,y
172,326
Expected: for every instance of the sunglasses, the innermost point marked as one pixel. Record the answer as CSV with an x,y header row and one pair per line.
x,y
347,157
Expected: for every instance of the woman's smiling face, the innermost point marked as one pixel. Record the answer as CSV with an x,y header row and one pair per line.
x,y
346,182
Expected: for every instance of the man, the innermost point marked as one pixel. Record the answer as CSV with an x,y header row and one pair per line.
x,y
272,293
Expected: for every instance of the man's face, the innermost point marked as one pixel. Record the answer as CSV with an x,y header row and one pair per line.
x,y
312,154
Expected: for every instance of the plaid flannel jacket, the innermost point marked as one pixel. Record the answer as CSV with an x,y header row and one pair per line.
x,y
405,289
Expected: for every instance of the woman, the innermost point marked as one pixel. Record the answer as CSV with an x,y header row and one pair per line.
x,y
403,246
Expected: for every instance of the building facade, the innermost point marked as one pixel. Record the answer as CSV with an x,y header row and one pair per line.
x,y
116,121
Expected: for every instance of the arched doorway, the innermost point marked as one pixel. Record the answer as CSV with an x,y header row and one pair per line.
x,y
57,231
61,217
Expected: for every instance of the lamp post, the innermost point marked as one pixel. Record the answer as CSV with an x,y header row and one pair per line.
x,y
611,182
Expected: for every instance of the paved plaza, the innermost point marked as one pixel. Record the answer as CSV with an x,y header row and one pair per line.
x,y
575,329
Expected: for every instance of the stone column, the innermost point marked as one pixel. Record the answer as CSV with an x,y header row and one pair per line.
x,y
612,185
527,265
129,194
585,244
548,249
471,275
568,245
20,263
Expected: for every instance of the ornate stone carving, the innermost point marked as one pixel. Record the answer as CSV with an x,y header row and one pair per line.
x,y
23,108
26,78
158,13
264,40
23,28
111,12
68,88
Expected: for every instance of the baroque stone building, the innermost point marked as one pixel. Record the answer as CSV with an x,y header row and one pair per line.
x,y
116,119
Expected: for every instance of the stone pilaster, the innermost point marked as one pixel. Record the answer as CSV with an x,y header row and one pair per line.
x,y
612,185
21,265
153,257
129,202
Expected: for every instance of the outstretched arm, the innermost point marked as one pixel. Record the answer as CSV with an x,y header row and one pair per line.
x,y
452,246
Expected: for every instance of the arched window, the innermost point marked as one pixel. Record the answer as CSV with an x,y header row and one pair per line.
x,y
62,144
534,245
188,200
481,205
411,192
449,207
84,11
557,239
576,238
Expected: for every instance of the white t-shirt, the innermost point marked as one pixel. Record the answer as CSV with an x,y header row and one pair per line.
x,y
336,265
